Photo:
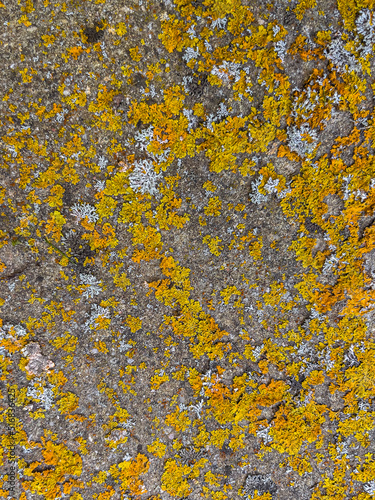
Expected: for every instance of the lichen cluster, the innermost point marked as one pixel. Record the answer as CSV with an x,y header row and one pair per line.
x,y
187,249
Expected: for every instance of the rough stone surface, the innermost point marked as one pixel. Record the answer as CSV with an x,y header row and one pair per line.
x,y
187,245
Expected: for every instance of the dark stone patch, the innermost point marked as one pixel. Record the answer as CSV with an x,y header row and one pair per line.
x,y
80,251
139,80
93,33
67,196
312,227
197,86
227,470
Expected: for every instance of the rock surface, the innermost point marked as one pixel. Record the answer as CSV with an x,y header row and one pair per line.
x,y
187,277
